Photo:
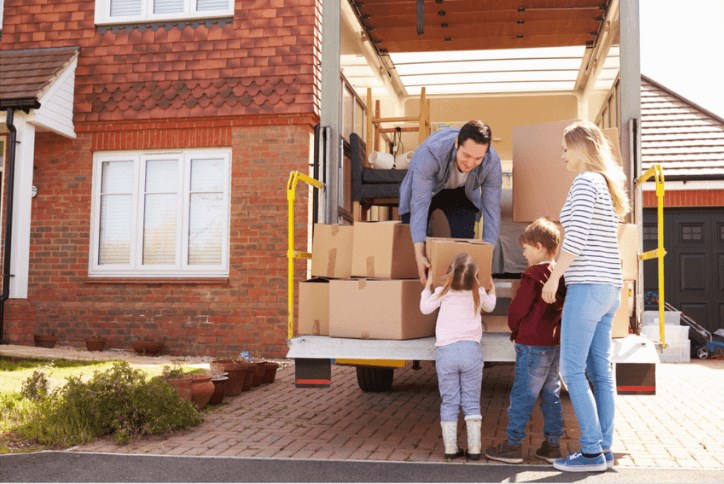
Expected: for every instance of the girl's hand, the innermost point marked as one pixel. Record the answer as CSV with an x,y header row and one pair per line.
x,y
549,290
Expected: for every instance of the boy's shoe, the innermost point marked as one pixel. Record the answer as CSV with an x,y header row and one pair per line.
x,y
577,462
549,452
608,455
505,452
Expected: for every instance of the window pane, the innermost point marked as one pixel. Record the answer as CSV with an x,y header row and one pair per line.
x,y
159,229
168,6
117,177
206,222
207,175
114,245
207,5
124,8
162,176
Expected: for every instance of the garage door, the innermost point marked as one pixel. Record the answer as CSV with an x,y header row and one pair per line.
x,y
694,263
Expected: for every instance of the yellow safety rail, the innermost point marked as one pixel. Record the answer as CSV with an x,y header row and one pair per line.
x,y
294,178
659,253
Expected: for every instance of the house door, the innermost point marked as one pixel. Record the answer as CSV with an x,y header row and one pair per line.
x,y
694,263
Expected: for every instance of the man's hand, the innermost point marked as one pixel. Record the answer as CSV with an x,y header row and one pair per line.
x,y
422,263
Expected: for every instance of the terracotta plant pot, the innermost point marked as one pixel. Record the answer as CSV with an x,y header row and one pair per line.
x,y
201,390
258,374
147,348
45,340
270,372
237,374
220,384
95,343
249,373
182,386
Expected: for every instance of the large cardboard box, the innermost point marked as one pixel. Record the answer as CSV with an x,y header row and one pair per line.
x,y
623,315
441,251
378,309
332,251
628,243
540,179
313,315
383,250
495,323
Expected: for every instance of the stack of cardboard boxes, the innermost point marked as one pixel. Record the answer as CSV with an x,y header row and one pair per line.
x,y
365,282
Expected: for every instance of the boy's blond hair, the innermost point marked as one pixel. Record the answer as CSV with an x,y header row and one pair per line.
x,y
544,232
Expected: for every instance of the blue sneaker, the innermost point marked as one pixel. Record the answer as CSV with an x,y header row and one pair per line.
x,y
577,462
608,455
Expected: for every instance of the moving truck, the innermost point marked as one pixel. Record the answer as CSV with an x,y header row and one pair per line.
x,y
525,71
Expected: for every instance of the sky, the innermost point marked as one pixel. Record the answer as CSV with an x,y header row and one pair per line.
x,y
682,48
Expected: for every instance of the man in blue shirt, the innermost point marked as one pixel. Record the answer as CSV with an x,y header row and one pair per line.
x,y
458,172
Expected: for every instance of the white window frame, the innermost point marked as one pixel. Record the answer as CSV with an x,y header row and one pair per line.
x,y
135,268
2,8
103,13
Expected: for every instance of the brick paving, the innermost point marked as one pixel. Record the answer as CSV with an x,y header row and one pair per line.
x,y
679,427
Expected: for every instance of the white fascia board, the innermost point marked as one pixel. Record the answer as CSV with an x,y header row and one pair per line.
x,y
56,104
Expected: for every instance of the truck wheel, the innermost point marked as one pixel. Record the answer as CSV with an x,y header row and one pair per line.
x,y
702,352
375,378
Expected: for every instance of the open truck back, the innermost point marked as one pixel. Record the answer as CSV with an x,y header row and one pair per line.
x,y
521,68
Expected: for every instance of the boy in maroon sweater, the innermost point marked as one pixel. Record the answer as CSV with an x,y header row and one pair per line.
x,y
536,327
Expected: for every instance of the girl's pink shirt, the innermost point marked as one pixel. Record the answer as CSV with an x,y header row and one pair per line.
x,y
457,319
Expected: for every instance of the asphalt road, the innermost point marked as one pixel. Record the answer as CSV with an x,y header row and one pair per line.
x,y
83,467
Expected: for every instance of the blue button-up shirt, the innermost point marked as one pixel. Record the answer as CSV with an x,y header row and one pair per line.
x,y
430,168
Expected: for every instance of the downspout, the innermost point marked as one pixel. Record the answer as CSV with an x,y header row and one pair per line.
x,y
7,245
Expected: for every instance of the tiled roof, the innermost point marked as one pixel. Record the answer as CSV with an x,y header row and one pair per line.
x,y
685,139
26,74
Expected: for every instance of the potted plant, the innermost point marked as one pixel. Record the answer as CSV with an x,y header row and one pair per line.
x,y
147,347
175,376
95,343
45,340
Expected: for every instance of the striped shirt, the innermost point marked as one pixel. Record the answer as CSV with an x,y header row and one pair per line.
x,y
590,232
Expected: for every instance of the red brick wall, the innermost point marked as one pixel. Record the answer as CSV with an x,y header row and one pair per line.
x,y
686,198
264,61
247,311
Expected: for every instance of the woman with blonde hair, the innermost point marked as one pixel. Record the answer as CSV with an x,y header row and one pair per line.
x,y
589,259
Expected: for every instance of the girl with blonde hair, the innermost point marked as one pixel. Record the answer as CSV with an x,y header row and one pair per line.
x,y
590,261
458,353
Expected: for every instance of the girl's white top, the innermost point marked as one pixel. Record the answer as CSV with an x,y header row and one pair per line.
x,y
457,320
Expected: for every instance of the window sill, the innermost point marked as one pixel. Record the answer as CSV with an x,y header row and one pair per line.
x,y
154,25
157,280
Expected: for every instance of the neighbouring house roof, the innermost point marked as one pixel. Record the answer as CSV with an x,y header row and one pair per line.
x,y
25,75
685,139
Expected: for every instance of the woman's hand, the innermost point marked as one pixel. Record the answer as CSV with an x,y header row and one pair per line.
x,y
550,288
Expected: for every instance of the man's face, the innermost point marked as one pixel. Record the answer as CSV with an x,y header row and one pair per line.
x,y
469,155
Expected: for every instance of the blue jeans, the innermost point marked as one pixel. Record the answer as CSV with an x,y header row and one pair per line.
x,y
536,373
586,351
460,379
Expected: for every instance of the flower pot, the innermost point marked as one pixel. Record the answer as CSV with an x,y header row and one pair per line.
x,y
45,340
182,386
95,343
237,374
201,390
258,373
249,374
147,348
270,372
220,384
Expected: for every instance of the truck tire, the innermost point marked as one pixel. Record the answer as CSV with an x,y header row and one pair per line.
x,y
375,378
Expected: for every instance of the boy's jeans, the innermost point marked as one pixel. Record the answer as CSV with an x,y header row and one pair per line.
x,y
460,379
586,350
536,373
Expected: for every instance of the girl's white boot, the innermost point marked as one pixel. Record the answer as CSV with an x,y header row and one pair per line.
x,y
473,429
450,439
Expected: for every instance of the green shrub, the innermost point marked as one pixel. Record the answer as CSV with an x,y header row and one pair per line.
x,y
120,401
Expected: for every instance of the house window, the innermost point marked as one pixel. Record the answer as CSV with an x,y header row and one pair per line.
x,y
120,11
691,232
651,233
160,214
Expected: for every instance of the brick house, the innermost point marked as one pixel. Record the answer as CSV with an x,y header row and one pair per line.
x,y
152,201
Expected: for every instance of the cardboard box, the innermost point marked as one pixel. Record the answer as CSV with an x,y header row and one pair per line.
x,y
636,378
383,250
441,251
332,251
378,309
540,179
495,324
623,315
313,315
628,243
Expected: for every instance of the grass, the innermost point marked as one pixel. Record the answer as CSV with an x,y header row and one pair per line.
x,y
14,372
